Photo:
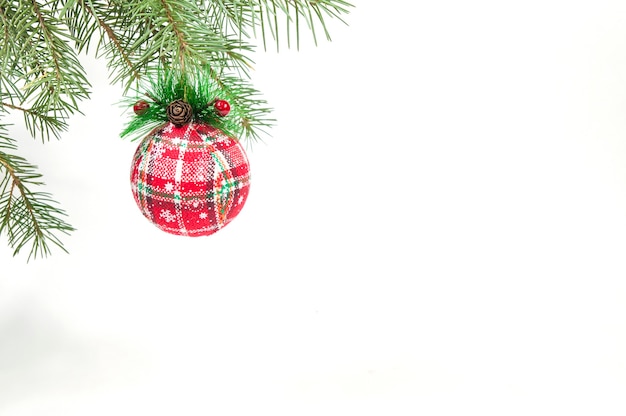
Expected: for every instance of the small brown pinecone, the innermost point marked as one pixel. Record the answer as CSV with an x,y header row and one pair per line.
x,y
179,112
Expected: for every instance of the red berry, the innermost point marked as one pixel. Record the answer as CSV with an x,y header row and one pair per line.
x,y
221,107
141,107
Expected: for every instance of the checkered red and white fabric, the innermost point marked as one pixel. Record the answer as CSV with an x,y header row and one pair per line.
x,y
190,180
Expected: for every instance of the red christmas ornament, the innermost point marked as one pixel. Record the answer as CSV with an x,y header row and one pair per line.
x,y
141,107
190,180
221,107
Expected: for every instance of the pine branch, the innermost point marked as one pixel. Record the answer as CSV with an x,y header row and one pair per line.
x,y
178,35
85,19
61,80
265,16
37,119
38,65
114,45
26,217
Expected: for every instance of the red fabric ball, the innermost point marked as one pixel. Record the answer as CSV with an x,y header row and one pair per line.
x,y
190,180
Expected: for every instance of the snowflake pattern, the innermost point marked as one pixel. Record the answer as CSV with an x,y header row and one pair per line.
x,y
167,215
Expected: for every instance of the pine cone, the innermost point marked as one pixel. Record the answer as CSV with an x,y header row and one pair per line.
x,y
179,112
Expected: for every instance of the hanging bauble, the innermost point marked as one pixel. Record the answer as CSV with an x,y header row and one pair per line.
x,y
191,179
190,174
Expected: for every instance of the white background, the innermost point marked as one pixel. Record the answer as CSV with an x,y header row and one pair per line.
x,y
436,226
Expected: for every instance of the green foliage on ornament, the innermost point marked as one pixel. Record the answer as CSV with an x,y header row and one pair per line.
x,y
248,115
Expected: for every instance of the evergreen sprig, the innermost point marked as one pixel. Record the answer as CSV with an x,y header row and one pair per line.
x,y
42,78
269,18
41,73
248,114
26,216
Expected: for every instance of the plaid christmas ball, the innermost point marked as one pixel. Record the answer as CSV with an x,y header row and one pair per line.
x,y
190,180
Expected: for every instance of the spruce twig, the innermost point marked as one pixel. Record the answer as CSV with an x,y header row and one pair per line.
x,y
27,217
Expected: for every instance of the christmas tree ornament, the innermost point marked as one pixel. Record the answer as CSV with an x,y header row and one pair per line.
x,y
189,175
190,179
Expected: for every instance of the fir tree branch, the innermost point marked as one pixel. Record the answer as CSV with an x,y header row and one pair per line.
x,y
181,33
266,16
124,37
26,217
111,44
49,39
117,46
39,67
39,120
66,78
176,28
9,55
